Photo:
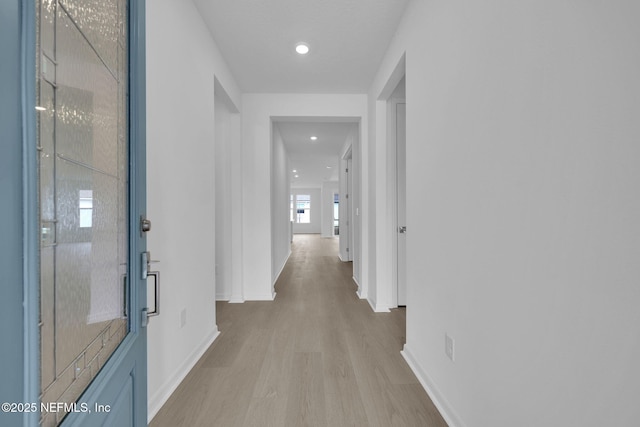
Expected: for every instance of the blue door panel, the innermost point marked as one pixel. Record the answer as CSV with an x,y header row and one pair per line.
x,y
122,413
122,384
11,213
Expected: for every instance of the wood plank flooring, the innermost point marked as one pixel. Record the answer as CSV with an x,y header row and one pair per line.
x,y
316,356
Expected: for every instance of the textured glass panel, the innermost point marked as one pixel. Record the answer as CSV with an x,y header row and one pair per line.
x,y
123,135
83,191
87,96
99,23
124,35
88,287
47,361
45,113
47,28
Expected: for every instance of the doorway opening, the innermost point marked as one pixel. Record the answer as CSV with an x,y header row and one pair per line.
x,y
346,208
309,195
391,241
396,116
227,196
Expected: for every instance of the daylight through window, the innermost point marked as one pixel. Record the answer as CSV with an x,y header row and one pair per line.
x,y
303,208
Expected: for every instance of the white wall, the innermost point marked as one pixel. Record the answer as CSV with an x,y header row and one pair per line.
x,y
315,226
227,174
181,65
281,190
522,208
223,210
329,188
257,112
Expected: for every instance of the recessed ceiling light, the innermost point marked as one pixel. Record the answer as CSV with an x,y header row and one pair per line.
x,y
302,48
39,108
314,138
328,167
294,171
297,176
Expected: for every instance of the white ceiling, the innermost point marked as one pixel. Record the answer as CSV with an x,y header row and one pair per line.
x,y
311,158
347,39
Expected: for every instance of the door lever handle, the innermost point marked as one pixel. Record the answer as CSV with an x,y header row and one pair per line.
x,y
145,264
146,272
156,299
402,229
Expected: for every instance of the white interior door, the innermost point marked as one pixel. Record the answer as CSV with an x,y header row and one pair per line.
x,y
349,210
346,213
401,194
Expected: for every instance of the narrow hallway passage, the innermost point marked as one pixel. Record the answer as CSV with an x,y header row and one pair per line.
x,y
316,356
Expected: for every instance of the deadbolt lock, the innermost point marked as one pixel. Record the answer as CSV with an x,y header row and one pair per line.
x,y
145,225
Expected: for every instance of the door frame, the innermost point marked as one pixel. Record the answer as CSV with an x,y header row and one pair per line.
x,y
392,192
385,177
397,203
345,216
20,374
16,303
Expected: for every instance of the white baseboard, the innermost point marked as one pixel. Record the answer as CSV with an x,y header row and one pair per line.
x,y
281,268
260,297
381,308
160,397
223,297
371,304
359,292
432,390
346,258
378,308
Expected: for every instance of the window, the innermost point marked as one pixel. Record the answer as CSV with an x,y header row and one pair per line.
x,y
291,216
86,208
303,208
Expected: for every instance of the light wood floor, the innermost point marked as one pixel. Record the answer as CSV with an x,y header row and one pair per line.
x,y
316,356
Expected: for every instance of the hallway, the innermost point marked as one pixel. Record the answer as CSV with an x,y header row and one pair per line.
x,y
316,356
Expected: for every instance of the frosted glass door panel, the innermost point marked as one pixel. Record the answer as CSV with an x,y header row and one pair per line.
x,y
47,220
83,175
88,287
87,96
99,22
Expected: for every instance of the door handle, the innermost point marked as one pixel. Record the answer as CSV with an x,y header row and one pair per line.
x,y
146,272
402,229
156,291
146,264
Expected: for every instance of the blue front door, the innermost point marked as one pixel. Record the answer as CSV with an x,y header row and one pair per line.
x,y
83,194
